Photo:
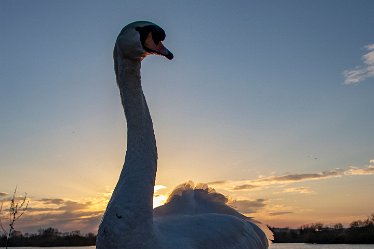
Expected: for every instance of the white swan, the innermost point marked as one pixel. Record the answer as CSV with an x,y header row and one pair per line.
x,y
193,218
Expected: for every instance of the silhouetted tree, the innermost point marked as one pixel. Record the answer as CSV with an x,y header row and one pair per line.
x,y
338,226
358,232
16,210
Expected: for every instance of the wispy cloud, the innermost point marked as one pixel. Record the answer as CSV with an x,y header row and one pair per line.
x,y
290,178
301,190
364,71
357,171
63,214
244,187
83,220
361,171
248,206
159,187
52,201
280,213
216,182
266,181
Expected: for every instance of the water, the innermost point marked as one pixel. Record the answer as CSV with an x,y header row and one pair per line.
x,y
274,246
314,246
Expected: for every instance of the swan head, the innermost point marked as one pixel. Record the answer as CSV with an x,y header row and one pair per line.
x,y
139,39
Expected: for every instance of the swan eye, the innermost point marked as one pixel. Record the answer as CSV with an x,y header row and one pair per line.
x,y
155,40
158,34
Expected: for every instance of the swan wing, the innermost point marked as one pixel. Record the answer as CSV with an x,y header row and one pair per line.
x,y
208,231
201,211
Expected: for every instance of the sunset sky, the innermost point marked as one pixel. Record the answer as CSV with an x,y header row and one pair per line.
x,y
269,102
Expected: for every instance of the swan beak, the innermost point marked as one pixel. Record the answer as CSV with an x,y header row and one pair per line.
x,y
162,50
158,48
169,55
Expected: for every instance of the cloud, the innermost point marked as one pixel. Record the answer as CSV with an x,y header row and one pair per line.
x,y
52,201
244,187
40,209
159,187
17,198
301,190
73,206
357,171
280,213
3,194
268,181
248,206
85,221
217,182
290,178
362,72
46,204
369,170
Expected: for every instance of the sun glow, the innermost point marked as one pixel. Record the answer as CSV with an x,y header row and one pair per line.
x,y
158,199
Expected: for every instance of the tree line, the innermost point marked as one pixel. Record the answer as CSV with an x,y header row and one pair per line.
x,y
48,237
358,232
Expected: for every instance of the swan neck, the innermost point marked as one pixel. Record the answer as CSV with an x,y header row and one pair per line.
x,y
137,179
130,209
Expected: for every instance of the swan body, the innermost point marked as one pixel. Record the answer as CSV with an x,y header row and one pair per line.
x,y
192,218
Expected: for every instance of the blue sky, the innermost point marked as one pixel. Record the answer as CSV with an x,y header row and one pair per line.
x,y
256,89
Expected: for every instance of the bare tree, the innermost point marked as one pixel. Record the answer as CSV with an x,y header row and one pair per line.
x,y
1,224
16,210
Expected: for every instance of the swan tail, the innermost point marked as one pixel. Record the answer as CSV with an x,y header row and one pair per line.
x,y
191,199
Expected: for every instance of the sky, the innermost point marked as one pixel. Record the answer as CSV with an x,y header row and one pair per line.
x,y
269,102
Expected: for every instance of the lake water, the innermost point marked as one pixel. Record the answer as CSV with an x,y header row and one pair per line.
x,y
274,246
314,246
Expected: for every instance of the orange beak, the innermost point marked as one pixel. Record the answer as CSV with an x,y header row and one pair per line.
x,y
159,48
